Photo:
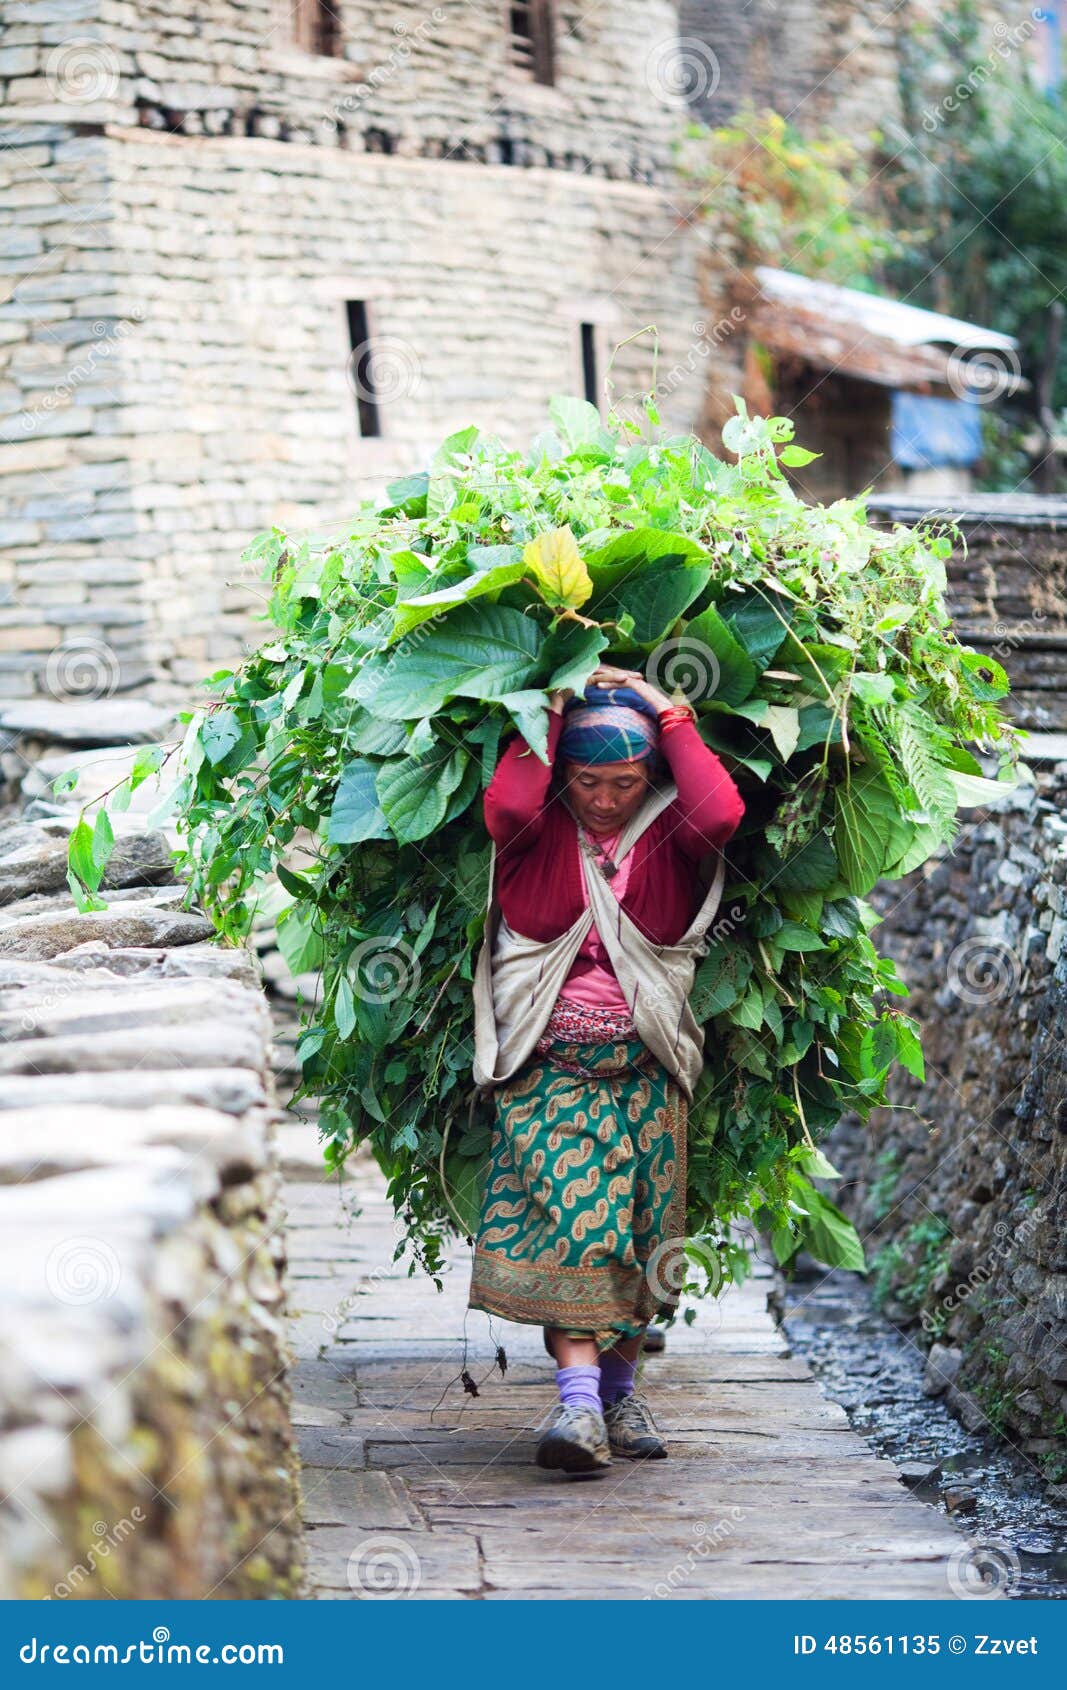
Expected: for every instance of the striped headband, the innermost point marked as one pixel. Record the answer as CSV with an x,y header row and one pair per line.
x,y
610,725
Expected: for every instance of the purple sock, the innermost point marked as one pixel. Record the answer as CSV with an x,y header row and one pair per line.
x,y
578,1387
616,1378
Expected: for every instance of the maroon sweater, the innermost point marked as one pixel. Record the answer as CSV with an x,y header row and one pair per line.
x,y
538,883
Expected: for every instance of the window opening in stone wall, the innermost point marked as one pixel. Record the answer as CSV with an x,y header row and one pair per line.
x,y
533,46
317,28
361,371
590,383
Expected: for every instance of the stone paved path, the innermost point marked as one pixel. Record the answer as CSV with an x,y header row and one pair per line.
x,y
414,1488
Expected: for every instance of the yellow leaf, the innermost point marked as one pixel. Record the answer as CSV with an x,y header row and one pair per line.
x,y
556,563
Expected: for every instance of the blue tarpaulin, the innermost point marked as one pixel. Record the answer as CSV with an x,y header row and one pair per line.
x,y
926,433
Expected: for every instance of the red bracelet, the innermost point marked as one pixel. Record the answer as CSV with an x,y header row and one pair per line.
x,y
675,714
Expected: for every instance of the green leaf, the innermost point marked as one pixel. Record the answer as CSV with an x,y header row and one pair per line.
x,y
749,1012
656,598
219,734
760,620
873,689
456,445
148,761
633,551
465,1179
972,790
825,1232
410,612
414,792
841,918
576,421
867,829
812,868
356,813
796,456
931,782
909,1045
296,883
103,843
84,901
569,656
984,676
816,664
816,1164
818,726
475,652
719,981
299,937
732,673
805,907
792,936
373,737
879,1045
409,494
782,722
344,1008
922,843
528,710
80,855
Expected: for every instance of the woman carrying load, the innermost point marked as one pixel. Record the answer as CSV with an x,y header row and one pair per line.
x,y
598,911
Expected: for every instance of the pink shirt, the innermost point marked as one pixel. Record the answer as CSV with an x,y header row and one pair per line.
x,y
592,979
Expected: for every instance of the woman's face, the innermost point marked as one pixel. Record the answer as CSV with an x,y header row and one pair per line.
x,y
605,795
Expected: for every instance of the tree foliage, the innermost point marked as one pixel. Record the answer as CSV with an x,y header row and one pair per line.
x,y
347,756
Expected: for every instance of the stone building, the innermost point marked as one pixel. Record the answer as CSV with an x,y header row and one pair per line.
x,y
261,257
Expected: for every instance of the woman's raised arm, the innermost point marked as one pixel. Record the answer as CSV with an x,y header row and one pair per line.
x,y
515,797
709,808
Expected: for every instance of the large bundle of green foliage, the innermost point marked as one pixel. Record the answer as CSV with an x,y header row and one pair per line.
x,y
347,757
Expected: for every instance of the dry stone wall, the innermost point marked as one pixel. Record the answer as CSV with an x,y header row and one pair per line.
x,y
961,1189
146,1449
1007,591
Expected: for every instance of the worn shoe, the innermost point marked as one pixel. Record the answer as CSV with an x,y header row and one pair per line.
x,y
632,1432
574,1441
655,1341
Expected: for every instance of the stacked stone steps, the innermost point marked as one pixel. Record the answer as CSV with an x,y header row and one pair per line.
x,y
147,1449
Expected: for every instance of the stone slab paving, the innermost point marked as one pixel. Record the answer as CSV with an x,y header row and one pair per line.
x,y
415,1489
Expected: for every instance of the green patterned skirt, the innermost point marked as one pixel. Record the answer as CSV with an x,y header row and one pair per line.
x,y
583,1215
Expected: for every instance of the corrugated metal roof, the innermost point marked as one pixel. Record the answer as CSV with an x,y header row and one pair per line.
x,y
877,339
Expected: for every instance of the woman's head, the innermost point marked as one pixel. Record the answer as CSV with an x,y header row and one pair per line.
x,y
607,754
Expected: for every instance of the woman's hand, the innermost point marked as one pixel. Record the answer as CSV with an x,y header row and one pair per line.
x,y
608,676
557,699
